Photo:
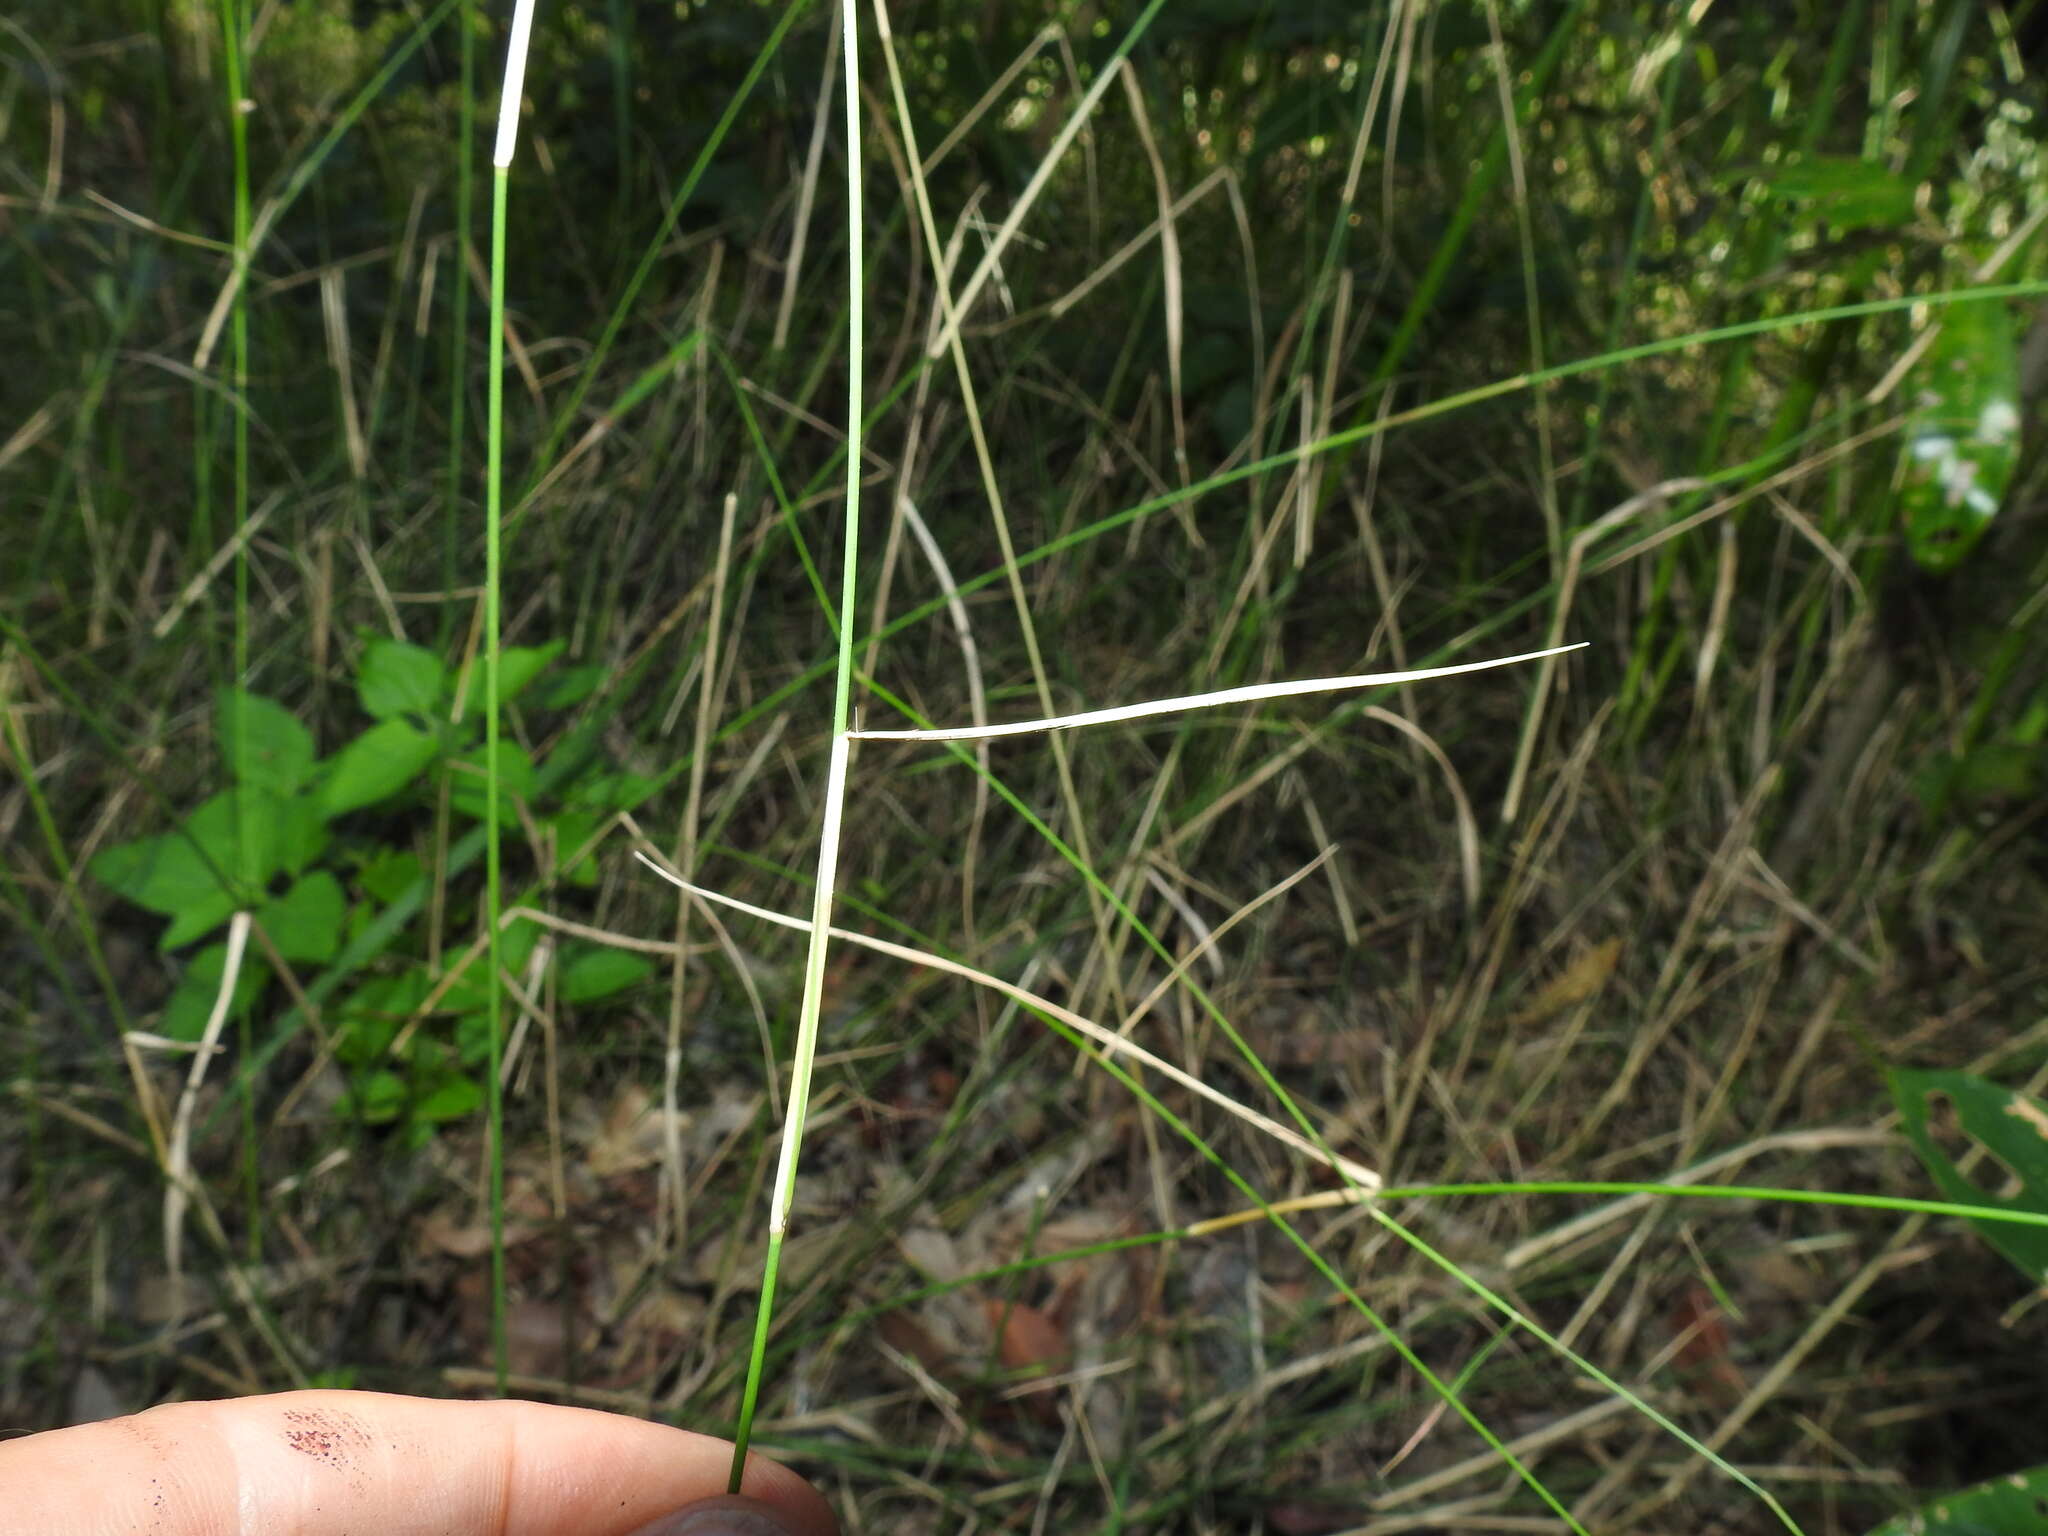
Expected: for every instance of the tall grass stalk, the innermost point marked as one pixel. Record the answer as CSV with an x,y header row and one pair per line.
x,y
494,485
234,53
459,305
835,776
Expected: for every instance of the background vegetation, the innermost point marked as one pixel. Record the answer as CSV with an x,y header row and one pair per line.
x,y
1295,340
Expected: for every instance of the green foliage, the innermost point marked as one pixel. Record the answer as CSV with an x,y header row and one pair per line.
x,y
2013,1505
516,781
1964,440
1846,194
305,922
396,678
2012,1128
410,1040
1989,774
262,743
594,971
377,765
519,665
224,853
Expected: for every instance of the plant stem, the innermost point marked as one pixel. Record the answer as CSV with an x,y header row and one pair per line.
x,y
494,488
835,777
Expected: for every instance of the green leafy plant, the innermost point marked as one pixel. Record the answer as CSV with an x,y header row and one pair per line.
x,y
2011,1128
281,843
1964,439
2014,1505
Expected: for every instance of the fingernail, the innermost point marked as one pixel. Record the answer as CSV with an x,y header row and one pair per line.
x,y
728,1515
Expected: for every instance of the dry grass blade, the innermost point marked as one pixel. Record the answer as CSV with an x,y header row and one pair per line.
x,y
178,1156
221,558
807,189
1251,693
1108,1039
1040,178
1210,937
977,698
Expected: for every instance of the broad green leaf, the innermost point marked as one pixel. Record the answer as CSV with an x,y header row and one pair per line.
x,y
611,791
191,1002
305,922
367,1022
302,834
2013,1505
473,1039
391,873
516,781
449,1099
376,1098
590,972
2012,1128
243,831
262,742
572,830
361,915
515,947
572,685
197,875
197,918
395,678
159,873
1848,193
376,765
1964,436
518,665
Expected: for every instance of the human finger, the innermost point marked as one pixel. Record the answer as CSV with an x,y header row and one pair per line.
x,y
330,1463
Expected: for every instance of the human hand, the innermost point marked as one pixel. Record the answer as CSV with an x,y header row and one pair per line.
x,y
369,1464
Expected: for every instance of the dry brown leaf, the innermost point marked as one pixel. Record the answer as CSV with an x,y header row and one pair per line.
x,y
1583,978
664,1315
536,1338
907,1336
1703,1345
443,1234
631,1136
1029,1339
1780,1276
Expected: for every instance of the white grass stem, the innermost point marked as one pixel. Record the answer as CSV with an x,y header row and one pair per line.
x,y
515,83
835,776
1251,693
178,1155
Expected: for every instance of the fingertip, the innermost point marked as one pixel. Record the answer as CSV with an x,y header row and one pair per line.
x,y
726,1515
778,1492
